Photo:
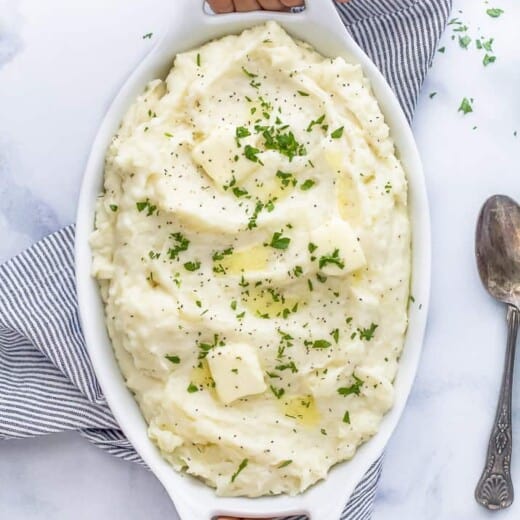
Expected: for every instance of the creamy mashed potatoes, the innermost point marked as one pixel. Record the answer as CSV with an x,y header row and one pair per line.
x,y
253,250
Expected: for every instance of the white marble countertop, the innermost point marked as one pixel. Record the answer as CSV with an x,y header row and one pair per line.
x,y
60,64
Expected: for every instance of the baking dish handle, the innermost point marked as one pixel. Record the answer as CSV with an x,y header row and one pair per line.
x,y
189,510
194,13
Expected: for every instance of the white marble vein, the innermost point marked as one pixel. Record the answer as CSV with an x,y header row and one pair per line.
x,y
60,64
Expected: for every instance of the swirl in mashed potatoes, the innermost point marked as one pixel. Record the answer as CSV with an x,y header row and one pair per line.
x,y
253,250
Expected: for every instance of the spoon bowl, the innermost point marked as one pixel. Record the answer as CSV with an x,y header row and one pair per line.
x,y
498,248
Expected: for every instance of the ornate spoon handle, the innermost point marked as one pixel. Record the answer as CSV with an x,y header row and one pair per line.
x,y
495,489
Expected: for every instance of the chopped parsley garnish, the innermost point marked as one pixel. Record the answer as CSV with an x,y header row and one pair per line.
x,y
198,59
321,277
312,247
433,94
284,463
233,305
307,185
150,208
283,142
204,348
442,50
147,36
465,106
192,388
181,244
318,121
173,359
167,134
249,74
298,271
346,417
269,205
153,254
388,187
494,12
219,255
251,153
460,27
287,366
241,132
192,266
368,333
488,45
323,431
279,242
286,178
320,343
230,184
354,388
286,312
309,284
302,93
278,392
464,41
241,467
239,192
488,58
285,336
114,207
252,221
267,106
335,335
333,258
337,133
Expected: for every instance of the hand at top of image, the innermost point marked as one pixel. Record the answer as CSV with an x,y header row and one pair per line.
x,y
229,6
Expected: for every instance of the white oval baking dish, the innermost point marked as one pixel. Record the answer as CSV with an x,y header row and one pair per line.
x,y
319,25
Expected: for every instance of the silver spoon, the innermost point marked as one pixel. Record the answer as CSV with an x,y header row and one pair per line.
x,y
498,258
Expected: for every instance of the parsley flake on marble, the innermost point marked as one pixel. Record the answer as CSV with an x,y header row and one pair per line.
x,y
494,12
465,106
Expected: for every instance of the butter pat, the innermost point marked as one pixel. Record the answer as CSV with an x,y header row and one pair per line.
x,y
236,371
338,249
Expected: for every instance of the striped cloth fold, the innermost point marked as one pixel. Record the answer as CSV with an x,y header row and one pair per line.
x,y
47,383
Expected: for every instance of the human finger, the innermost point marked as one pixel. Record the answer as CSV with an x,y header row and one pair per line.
x,y
271,5
292,3
222,6
246,5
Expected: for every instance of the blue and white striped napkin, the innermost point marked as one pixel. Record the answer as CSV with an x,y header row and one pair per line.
x,y
47,383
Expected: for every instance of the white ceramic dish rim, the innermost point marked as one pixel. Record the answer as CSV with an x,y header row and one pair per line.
x,y
319,25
